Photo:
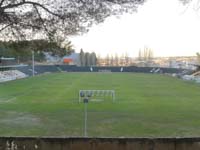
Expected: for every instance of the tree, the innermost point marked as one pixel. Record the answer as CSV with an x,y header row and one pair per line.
x,y
67,45
146,54
87,59
127,62
116,60
37,45
140,55
198,57
26,19
82,58
22,50
111,60
93,59
122,60
107,60
99,60
62,42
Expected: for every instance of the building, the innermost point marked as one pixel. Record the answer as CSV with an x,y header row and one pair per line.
x,y
72,59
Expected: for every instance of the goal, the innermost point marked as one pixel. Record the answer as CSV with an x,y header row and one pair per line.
x,y
96,93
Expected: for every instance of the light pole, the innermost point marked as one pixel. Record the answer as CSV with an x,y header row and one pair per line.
x,y
85,101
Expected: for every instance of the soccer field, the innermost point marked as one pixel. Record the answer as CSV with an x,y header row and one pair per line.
x,y
147,105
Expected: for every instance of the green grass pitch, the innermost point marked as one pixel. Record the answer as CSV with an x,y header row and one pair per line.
x,y
147,105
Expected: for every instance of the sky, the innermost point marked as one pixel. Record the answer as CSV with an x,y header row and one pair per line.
x,y
165,26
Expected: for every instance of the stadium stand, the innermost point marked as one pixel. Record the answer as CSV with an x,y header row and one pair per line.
x,y
26,70
11,75
41,69
193,75
196,73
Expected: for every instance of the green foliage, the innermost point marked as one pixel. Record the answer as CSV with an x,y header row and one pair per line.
x,y
26,19
22,50
68,46
147,105
88,59
82,57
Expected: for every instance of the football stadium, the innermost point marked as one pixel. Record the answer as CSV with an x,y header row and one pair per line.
x,y
145,104
99,75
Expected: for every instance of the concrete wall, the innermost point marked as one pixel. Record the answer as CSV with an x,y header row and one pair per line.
x,y
53,143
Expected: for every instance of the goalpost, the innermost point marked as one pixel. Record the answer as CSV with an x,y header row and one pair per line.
x,y
85,95
96,93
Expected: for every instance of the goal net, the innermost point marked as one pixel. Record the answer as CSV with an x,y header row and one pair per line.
x,y
96,94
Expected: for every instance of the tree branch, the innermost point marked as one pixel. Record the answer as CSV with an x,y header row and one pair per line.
x,y
57,16
40,18
6,27
30,3
1,3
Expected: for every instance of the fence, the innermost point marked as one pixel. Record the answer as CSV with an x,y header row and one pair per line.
x,y
56,143
39,69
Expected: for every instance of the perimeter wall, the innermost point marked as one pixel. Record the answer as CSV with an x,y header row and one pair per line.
x,y
56,143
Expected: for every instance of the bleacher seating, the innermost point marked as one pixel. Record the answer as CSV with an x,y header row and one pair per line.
x,y
24,71
11,75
